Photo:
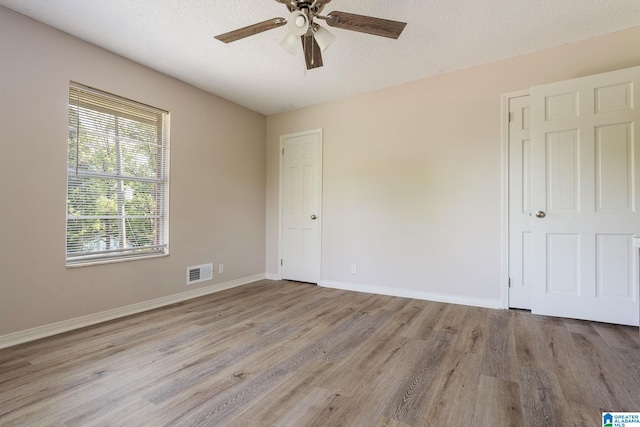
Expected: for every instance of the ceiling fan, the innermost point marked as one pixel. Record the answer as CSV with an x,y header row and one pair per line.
x,y
315,39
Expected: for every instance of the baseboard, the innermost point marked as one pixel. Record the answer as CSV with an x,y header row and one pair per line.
x,y
92,319
272,276
407,293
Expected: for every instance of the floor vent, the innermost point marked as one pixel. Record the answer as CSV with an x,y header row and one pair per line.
x,y
199,273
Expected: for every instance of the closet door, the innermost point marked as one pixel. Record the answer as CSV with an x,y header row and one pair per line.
x,y
584,197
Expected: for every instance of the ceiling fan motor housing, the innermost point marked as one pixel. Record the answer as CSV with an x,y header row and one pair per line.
x,y
314,7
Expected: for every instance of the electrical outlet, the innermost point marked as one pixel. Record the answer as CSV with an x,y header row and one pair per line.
x,y
220,268
354,270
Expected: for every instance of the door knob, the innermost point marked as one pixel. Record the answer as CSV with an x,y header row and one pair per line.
x,y
540,214
313,217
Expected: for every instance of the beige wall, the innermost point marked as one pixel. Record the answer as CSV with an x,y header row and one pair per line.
x,y
217,190
412,173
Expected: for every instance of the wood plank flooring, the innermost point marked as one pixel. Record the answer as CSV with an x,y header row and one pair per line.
x,y
292,354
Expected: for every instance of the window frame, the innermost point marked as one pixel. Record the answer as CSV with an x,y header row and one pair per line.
x,y
119,108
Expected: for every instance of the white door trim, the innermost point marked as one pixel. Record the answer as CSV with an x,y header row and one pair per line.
x,y
319,132
504,199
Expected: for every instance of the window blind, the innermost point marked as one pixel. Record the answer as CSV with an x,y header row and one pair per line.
x,y
117,177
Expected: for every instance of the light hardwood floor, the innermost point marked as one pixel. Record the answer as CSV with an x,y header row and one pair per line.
x,y
292,354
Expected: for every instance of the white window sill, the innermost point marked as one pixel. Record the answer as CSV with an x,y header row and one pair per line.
x,y
88,263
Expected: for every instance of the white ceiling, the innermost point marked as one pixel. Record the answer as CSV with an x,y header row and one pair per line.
x,y
176,38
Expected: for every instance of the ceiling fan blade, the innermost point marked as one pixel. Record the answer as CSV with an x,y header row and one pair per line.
x,y
241,33
312,52
366,24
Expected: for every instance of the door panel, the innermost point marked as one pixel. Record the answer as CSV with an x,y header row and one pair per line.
x,y
614,167
562,171
563,257
614,265
585,157
301,192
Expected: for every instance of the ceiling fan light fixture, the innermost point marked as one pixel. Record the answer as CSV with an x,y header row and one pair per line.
x,y
291,43
323,37
298,23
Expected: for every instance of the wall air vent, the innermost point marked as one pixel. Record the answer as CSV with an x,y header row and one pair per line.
x,y
199,273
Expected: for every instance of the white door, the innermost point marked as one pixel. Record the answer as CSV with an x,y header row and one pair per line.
x,y
520,241
301,183
585,191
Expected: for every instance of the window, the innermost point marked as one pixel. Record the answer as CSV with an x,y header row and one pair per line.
x,y
117,178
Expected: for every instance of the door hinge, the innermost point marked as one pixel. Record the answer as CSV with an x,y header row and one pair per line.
x,y
510,116
281,262
283,151
509,281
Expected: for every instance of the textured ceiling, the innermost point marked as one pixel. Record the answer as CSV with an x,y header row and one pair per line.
x,y
176,38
